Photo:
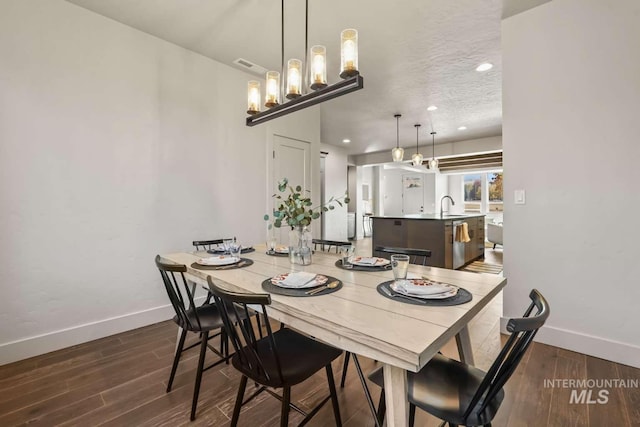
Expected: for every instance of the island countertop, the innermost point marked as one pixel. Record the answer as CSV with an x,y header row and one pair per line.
x,y
433,217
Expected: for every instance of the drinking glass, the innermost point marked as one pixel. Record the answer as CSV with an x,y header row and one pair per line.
x,y
272,242
226,244
235,249
400,265
346,253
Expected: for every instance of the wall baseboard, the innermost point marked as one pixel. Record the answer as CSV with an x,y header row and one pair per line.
x,y
615,351
45,343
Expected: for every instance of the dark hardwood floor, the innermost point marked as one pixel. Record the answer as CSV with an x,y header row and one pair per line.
x,y
121,381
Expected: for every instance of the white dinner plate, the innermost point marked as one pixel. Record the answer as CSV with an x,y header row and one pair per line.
x,y
419,288
317,281
380,262
219,260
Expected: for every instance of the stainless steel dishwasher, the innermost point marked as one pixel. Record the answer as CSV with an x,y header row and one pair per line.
x,y
458,247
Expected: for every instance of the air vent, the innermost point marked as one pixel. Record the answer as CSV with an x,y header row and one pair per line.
x,y
250,66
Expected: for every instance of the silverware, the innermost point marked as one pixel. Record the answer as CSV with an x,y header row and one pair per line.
x,y
226,267
331,285
396,295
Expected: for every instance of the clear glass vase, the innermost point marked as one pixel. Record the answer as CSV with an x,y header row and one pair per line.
x,y
300,245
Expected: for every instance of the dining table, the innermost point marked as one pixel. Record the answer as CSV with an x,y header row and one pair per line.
x,y
357,318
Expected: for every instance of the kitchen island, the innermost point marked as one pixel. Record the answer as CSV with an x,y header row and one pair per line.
x,y
434,232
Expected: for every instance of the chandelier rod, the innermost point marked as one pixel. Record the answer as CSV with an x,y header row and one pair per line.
x,y
305,79
282,76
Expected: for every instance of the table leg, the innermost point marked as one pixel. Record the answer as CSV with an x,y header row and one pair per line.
x,y
395,388
464,346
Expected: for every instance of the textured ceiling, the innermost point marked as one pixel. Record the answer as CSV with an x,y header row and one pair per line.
x,y
412,54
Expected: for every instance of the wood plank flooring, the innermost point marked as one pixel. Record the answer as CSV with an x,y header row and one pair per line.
x,y
121,381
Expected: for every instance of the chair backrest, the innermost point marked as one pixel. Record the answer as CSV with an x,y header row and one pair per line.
x,y
175,289
522,332
328,244
234,306
205,245
415,253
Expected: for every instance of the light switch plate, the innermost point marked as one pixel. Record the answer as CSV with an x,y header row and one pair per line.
x,y
519,197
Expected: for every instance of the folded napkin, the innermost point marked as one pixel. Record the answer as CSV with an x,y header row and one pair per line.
x,y
367,260
425,287
462,233
297,280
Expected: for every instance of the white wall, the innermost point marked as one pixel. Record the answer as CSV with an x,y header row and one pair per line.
x,y
571,99
456,191
114,146
391,189
335,221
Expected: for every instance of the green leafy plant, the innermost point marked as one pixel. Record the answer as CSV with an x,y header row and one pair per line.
x,y
295,209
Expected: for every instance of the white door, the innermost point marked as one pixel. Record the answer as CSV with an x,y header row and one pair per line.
x,y
291,160
412,194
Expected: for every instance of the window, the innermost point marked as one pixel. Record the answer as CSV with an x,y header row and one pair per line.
x,y
472,192
473,188
495,187
495,192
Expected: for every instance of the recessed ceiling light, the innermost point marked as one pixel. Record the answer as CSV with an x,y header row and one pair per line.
x,y
346,140
462,128
484,67
432,108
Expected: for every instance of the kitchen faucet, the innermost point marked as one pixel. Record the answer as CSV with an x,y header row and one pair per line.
x,y
442,201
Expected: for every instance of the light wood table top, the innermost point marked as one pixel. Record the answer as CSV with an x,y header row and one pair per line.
x,y
358,319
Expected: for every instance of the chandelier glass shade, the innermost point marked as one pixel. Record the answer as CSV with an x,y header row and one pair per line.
x,y
253,97
397,154
306,82
433,162
348,53
417,158
294,78
272,97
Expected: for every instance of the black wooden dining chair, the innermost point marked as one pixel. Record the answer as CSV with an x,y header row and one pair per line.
x,y
460,394
281,359
206,245
415,253
326,245
191,318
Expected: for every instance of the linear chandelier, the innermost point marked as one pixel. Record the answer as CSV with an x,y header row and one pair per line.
x,y
311,74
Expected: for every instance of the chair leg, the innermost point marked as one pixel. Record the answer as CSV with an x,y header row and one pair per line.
x,y
224,345
382,407
412,414
196,388
345,365
238,405
334,395
284,411
176,359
